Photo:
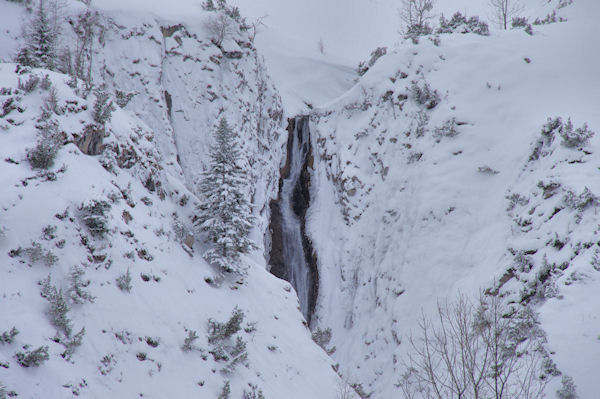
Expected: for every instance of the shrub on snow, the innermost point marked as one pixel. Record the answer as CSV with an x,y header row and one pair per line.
x,y
124,281
448,129
223,345
575,138
33,358
77,291
57,312
568,389
93,216
30,84
42,156
461,24
103,108
571,138
425,95
376,54
8,337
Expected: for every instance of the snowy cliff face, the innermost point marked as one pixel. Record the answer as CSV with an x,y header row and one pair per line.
x,y
424,187
78,231
183,83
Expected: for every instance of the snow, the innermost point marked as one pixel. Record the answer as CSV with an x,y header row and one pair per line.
x,y
149,174
398,221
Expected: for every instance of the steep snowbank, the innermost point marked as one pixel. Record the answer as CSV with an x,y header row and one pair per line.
x,y
155,150
407,212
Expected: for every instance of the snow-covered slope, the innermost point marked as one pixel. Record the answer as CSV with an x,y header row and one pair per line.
x,y
130,210
410,199
432,175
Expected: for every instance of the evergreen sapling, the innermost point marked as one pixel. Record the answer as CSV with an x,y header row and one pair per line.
x,y
39,49
225,214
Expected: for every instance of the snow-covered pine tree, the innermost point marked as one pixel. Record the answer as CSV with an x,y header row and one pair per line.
x,y
39,49
225,213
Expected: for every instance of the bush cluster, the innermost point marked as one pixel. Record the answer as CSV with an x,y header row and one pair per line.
x,y
571,138
72,343
59,307
575,138
42,156
35,254
223,345
448,129
32,358
478,350
188,342
94,217
30,85
414,31
225,391
459,23
8,337
124,281
322,338
77,291
549,19
425,95
376,54
580,202
103,108
568,389
253,393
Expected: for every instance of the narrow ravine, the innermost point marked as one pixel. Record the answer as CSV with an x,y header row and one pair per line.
x,y
292,257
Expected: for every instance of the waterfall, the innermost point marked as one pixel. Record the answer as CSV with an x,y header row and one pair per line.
x,y
291,256
292,203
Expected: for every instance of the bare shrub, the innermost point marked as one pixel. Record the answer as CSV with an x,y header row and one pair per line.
x,y
474,351
504,10
220,27
414,15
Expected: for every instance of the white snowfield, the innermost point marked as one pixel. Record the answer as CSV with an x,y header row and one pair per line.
x,y
400,221
410,203
155,150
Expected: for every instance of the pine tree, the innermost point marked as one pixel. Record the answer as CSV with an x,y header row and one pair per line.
x,y
225,213
39,49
